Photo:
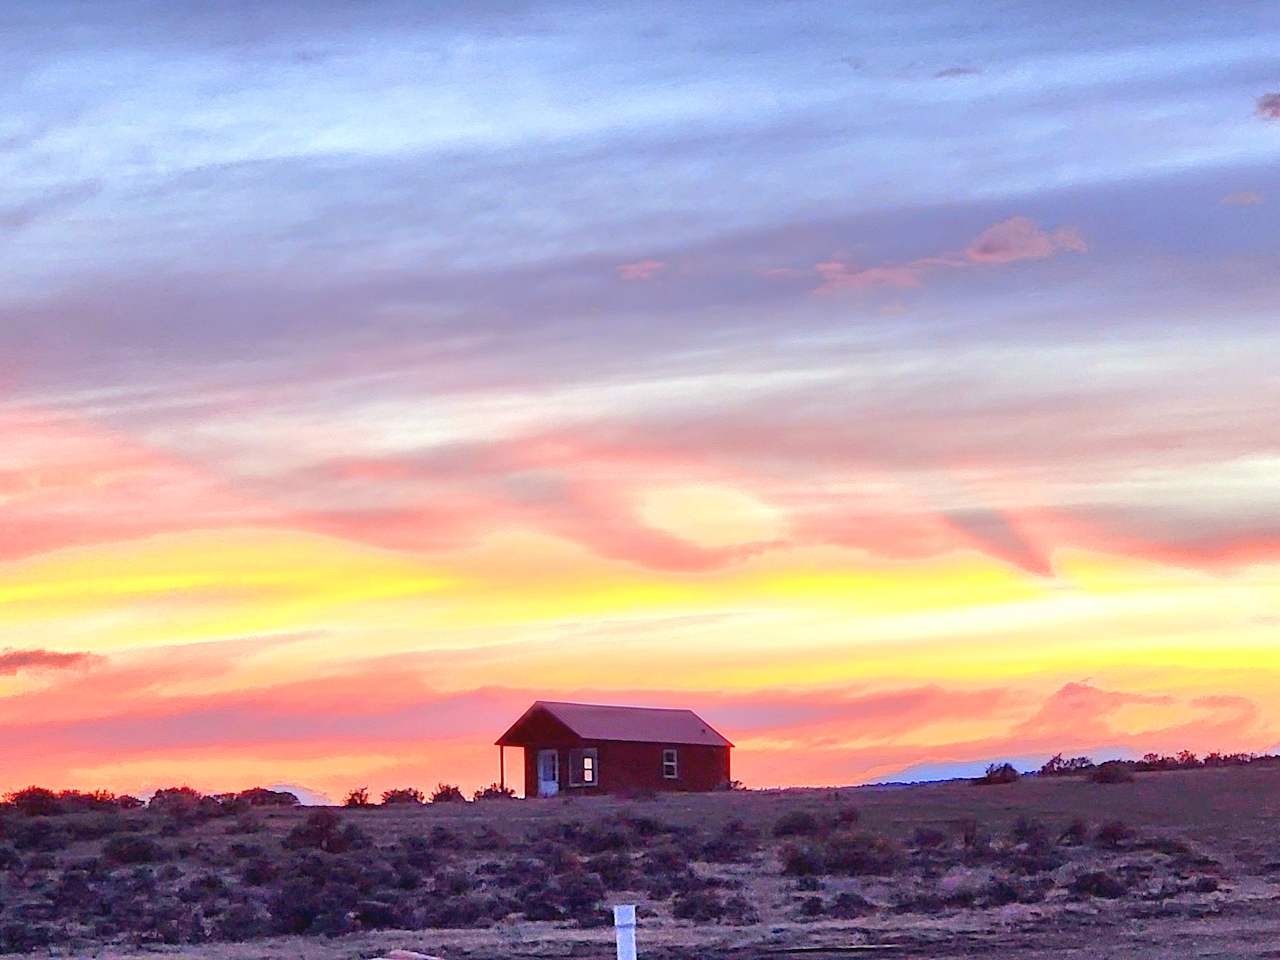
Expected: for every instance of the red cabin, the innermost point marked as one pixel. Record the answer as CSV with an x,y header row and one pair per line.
x,y
588,748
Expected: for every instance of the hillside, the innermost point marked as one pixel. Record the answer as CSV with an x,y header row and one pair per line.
x,y
1037,868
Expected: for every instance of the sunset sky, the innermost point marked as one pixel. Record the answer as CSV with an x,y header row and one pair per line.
x,y
896,385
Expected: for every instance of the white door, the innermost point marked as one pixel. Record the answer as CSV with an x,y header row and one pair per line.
x,y
548,773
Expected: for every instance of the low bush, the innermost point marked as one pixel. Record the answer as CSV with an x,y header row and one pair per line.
x,y
847,816
735,843
1075,833
133,848
614,868
796,823
35,802
494,791
258,872
860,854
1097,883
1113,771
175,799
323,829
801,860
409,795
1033,834
1114,835
357,798
262,797
706,906
928,838
447,793
38,833
848,906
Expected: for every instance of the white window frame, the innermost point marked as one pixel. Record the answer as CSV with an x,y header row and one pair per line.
x,y
670,763
578,767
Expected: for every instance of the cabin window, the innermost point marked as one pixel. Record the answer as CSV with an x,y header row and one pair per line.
x,y
584,768
670,765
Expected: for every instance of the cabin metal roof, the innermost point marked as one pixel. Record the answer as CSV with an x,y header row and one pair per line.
x,y
596,721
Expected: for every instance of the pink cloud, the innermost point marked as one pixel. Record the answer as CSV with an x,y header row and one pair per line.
x,y
640,269
12,661
1244,199
1269,106
840,276
1009,241
1019,238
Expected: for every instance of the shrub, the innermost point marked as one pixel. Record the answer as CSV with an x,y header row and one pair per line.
x,y
735,843
494,791
847,816
38,834
1033,833
35,802
1113,771
131,848
447,793
178,801
323,830
489,839
73,801
262,797
410,795
127,802
998,773
1076,833
666,860
1056,766
245,920
357,798
801,860
95,825
258,872
812,907
1096,883
847,906
701,905
1114,834
796,823
614,869
598,838
929,838
860,854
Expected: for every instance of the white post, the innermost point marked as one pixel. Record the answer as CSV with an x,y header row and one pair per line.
x,y
624,925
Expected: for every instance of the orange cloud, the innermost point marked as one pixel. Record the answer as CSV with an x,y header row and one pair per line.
x,y
1244,199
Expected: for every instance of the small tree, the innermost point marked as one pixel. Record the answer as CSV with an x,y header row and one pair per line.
x,y
357,798
999,773
179,801
402,795
447,793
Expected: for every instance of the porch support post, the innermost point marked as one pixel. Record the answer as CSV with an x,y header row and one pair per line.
x,y
502,767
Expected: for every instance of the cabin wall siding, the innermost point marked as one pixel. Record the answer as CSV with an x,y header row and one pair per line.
x,y
629,767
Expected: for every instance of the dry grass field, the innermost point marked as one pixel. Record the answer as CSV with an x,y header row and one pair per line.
x,y
1174,864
